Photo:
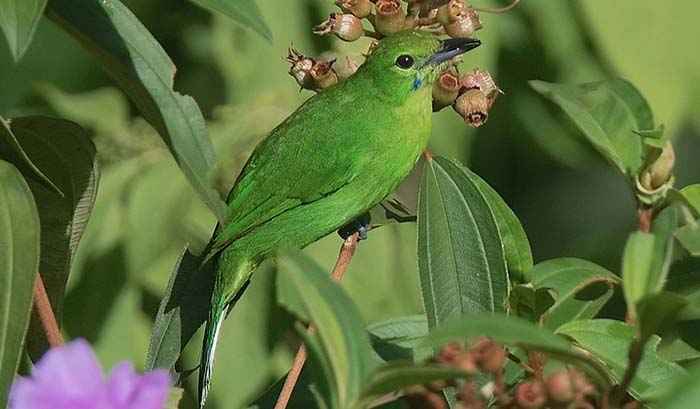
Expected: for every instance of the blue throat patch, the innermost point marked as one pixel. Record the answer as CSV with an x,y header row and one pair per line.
x,y
417,83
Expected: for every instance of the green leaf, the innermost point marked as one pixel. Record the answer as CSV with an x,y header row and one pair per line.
x,y
658,311
183,309
398,338
608,113
692,195
398,375
18,20
244,12
515,243
339,339
579,288
609,340
637,275
135,60
19,263
683,393
689,237
63,150
11,150
460,253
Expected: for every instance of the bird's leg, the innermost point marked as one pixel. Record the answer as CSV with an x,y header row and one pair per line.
x,y
360,225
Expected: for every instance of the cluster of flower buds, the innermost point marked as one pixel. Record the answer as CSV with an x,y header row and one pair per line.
x,y
471,95
316,74
455,18
562,389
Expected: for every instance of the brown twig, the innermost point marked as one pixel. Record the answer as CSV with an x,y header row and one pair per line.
x,y
347,250
45,313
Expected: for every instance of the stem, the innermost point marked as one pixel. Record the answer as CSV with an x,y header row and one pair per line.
x,y
45,313
347,250
645,216
498,10
635,357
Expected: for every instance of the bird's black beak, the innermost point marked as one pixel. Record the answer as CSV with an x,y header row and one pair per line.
x,y
451,48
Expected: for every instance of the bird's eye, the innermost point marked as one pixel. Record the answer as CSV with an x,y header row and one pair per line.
x,y
404,61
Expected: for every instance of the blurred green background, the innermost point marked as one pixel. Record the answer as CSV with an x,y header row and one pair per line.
x,y
570,202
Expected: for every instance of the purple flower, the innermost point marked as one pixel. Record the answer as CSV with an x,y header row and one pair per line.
x,y
70,377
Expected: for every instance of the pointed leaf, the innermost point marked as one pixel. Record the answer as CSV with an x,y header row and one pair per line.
x,y
460,252
63,150
244,12
396,376
11,151
398,338
689,237
609,340
692,195
608,113
579,288
19,261
339,337
135,60
182,311
18,20
515,243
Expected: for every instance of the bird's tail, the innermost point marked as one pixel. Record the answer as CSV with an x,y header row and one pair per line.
x,y
220,304
206,363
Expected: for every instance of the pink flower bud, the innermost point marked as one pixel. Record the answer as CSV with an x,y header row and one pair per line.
x,y
347,27
473,106
480,79
449,353
530,395
560,387
465,24
310,73
359,8
445,90
390,18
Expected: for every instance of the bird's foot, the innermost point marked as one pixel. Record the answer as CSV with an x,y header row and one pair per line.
x,y
360,225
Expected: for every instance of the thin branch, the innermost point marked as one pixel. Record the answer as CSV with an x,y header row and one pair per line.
x,y
645,216
45,313
498,10
347,250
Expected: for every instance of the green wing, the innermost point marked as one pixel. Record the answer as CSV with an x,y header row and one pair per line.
x,y
305,158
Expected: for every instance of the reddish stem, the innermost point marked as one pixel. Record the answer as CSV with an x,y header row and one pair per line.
x,y
645,216
347,250
43,309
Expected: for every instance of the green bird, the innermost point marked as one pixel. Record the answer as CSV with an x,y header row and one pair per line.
x,y
338,155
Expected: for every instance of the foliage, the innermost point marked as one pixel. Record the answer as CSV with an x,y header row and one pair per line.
x,y
111,193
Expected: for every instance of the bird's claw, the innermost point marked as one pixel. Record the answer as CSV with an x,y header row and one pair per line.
x,y
360,225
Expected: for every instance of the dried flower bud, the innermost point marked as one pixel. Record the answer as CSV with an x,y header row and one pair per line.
x,y
323,74
473,106
301,68
449,353
310,73
469,397
480,79
347,27
582,385
465,25
560,387
445,90
390,18
345,67
466,362
449,13
659,172
530,395
359,8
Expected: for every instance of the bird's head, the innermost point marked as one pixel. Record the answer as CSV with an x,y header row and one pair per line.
x,y
407,62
